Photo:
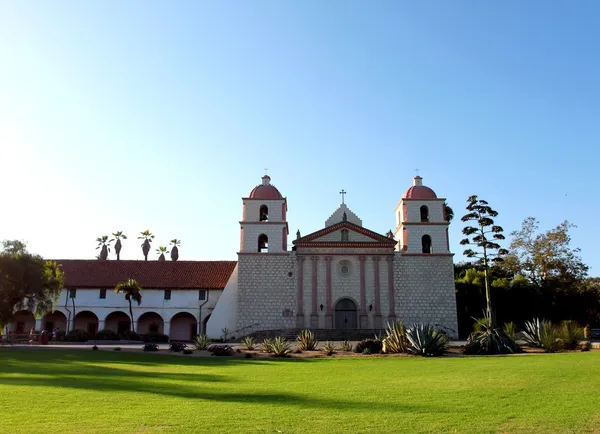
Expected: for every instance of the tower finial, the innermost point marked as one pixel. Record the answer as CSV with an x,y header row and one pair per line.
x,y
417,171
343,192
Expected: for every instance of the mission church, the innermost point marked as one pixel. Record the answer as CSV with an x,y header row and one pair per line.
x,y
343,276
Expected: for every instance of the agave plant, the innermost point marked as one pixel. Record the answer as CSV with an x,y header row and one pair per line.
x,y
535,331
571,334
395,341
329,348
118,236
306,341
425,340
147,237
551,342
490,341
267,345
346,346
104,245
201,342
248,342
175,249
511,330
281,347
162,250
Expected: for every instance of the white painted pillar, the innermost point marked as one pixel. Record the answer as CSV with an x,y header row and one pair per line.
x,y
39,324
167,328
100,324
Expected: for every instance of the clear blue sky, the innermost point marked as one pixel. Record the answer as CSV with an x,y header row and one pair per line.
x,y
146,115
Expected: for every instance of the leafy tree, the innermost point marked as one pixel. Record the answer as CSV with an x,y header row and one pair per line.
x,y
175,249
448,213
147,237
27,281
483,235
133,291
546,259
104,245
118,236
162,250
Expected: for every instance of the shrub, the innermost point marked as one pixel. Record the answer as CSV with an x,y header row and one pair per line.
x,y
551,342
571,334
95,348
395,341
511,330
60,335
306,341
221,350
425,340
117,349
267,345
107,335
201,342
187,351
130,336
77,335
491,341
535,331
346,346
281,347
177,347
248,355
248,342
329,348
482,324
368,346
150,347
156,337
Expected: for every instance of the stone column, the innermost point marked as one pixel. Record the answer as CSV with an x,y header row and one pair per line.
x,y
39,325
363,317
328,302
299,293
391,295
314,316
377,289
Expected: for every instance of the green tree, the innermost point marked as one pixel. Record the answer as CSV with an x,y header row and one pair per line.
x,y
147,237
132,291
483,236
27,282
546,259
162,250
448,213
175,249
118,236
104,246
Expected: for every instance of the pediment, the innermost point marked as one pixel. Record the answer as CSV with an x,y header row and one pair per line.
x,y
356,235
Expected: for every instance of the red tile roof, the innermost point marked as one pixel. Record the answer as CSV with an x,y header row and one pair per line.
x,y
84,273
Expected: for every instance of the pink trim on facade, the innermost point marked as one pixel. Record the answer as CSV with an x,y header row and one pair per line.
x,y
284,239
376,260
241,239
283,210
363,292
391,299
299,296
328,283
314,260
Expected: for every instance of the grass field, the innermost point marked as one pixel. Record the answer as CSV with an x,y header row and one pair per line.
x,y
81,391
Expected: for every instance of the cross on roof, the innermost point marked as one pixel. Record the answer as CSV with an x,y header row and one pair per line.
x,y
266,169
343,192
417,172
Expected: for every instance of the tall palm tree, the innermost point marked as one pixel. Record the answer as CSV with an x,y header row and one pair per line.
x,y
147,237
162,250
133,291
175,250
118,236
104,245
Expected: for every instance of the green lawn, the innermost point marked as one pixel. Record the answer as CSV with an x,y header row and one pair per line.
x,y
81,391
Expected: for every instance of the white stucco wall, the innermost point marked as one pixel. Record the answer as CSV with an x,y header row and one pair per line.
x,y
225,311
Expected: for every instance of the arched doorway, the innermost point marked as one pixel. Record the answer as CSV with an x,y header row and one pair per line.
x,y
88,321
183,327
118,322
150,323
53,321
346,314
23,321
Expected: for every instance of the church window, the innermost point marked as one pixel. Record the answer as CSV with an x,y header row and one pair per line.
x,y
424,214
73,293
103,293
263,243
344,234
202,294
426,243
345,269
167,294
264,213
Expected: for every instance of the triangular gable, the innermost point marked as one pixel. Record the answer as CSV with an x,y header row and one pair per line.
x,y
321,235
338,216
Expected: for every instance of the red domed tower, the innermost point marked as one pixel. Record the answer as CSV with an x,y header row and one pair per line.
x,y
421,226
264,228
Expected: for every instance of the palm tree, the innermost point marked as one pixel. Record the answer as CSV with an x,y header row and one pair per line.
x,y
104,244
147,237
448,213
133,291
162,250
175,251
118,236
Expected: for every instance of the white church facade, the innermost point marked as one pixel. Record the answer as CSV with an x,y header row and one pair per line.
x,y
341,277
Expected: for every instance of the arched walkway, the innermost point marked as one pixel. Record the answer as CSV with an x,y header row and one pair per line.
x,y
183,327
54,320
346,314
118,321
150,322
23,322
88,321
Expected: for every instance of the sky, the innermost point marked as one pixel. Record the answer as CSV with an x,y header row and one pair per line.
x,y
162,116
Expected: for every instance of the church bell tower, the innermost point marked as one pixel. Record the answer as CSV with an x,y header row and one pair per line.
x,y
264,228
